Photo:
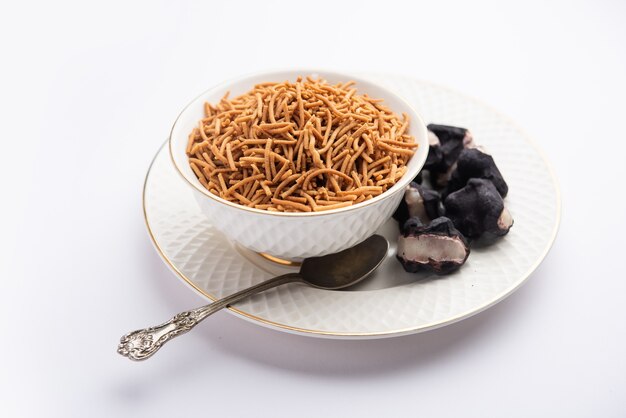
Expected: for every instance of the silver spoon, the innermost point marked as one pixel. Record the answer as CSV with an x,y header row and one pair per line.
x,y
333,271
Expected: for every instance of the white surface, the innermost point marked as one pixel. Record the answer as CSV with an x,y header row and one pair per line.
x,y
88,91
391,302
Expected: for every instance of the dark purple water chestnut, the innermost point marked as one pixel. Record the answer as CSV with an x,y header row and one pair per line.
x,y
421,201
475,163
477,210
434,159
402,211
419,178
437,247
445,145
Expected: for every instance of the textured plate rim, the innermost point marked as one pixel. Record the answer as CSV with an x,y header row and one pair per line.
x,y
396,332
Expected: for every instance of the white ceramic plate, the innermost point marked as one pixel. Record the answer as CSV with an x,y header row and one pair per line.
x,y
391,302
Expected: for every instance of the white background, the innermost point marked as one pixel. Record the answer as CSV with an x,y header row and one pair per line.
x,y
88,93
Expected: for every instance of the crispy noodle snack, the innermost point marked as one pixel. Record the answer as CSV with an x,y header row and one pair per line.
x,y
300,147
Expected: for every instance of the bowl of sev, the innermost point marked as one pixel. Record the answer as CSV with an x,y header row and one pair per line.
x,y
301,163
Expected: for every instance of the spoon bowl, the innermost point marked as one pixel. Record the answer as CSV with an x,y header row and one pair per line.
x,y
347,267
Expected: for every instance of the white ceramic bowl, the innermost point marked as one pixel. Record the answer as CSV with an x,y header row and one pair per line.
x,y
295,236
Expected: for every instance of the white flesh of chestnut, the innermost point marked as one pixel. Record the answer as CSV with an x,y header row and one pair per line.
x,y
432,139
505,221
415,203
468,140
421,248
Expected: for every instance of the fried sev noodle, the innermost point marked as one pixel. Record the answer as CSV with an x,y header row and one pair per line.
x,y
299,147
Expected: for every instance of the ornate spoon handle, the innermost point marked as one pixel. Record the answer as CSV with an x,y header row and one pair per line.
x,y
143,343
